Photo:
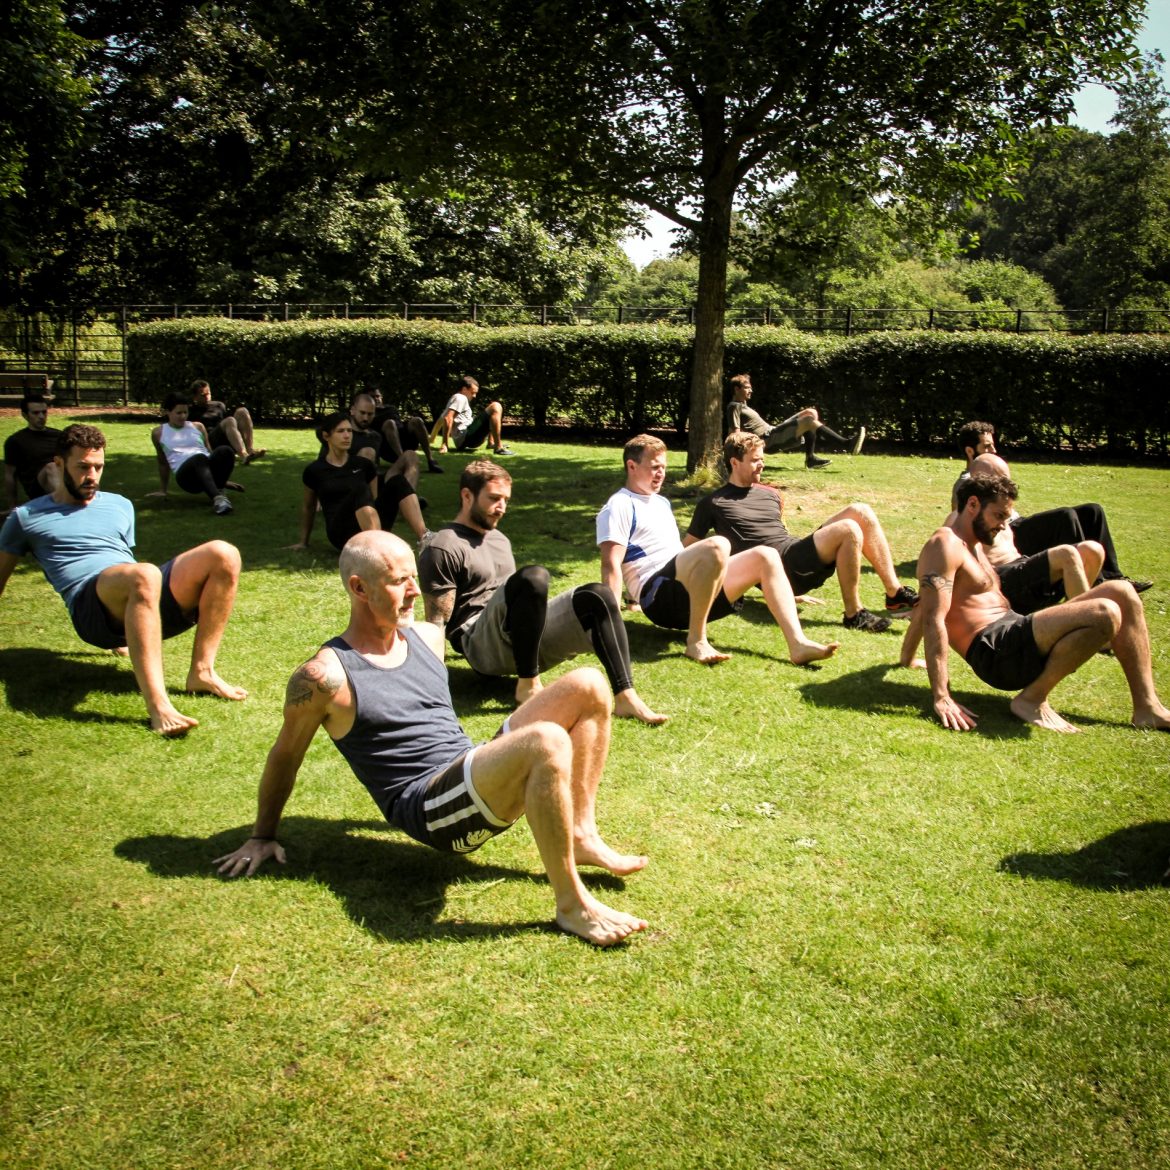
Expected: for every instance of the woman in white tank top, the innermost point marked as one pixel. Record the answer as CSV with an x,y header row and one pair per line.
x,y
182,451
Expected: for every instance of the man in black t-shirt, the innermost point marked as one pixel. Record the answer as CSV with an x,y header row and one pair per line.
x,y
225,428
28,454
749,513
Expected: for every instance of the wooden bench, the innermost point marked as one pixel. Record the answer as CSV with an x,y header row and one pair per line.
x,y
15,384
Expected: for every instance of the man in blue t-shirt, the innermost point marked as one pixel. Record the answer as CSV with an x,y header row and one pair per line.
x,y
84,539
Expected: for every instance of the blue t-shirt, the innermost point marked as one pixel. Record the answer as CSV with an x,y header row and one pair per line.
x,y
72,542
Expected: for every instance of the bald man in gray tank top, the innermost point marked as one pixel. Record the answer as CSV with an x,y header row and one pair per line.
x,y
380,691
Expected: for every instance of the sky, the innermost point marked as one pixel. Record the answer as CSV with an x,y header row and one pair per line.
x,y
1095,105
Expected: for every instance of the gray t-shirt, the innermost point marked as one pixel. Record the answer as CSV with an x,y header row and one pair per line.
x,y
473,564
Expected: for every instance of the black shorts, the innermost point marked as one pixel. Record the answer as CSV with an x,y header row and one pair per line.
x,y
97,626
803,566
666,602
445,811
783,436
1005,655
1027,583
475,434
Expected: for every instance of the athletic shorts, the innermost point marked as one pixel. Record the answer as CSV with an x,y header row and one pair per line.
x,y
1028,585
666,602
475,433
783,436
803,566
487,645
445,811
97,626
1005,655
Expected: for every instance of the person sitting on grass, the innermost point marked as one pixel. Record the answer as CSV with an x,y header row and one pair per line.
x,y
29,454
83,539
685,588
396,435
183,450
501,619
457,425
380,691
749,513
804,427
352,496
963,606
231,428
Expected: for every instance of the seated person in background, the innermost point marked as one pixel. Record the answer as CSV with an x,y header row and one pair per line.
x,y
458,426
84,539
685,588
398,435
749,514
380,691
502,621
804,427
352,496
183,450
1045,578
233,429
1044,530
963,606
29,454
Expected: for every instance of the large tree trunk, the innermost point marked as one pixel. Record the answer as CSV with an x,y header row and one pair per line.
x,y
705,435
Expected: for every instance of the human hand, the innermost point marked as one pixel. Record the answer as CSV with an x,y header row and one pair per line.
x,y
249,857
807,599
954,716
299,545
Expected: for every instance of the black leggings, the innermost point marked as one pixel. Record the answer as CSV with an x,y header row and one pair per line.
x,y
341,520
525,610
1044,530
206,473
597,611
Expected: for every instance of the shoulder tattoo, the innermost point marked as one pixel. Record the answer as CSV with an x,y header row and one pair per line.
x,y
937,582
313,678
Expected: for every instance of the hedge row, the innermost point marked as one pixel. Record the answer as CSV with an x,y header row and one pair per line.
x,y
1043,391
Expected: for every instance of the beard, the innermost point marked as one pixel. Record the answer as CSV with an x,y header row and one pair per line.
x,y
482,519
982,532
80,492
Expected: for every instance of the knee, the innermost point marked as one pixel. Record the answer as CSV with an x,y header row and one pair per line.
x,y
225,557
552,745
230,426
532,579
1091,549
495,409
1062,556
595,597
717,550
852,533
143,582
1108,613
862,514
809,414
242,416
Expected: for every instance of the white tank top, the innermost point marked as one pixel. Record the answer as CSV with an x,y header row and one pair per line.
x,y
180,443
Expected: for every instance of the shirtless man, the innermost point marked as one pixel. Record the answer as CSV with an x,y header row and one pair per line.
x,y
407,747
685,588
963,606
83,539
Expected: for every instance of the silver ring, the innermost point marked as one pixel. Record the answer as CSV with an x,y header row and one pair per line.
x,y
245,859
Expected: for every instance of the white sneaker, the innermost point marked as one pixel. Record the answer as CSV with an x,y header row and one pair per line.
x,y
221,505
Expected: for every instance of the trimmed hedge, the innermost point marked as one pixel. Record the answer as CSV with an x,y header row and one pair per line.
x,y
1043,391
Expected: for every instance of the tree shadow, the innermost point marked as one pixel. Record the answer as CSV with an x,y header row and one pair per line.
x,y
391,886
54,685
1133,858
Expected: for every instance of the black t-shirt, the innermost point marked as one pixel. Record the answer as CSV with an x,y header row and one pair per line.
x,y
28,451
341,491
474,564
210,414
746,516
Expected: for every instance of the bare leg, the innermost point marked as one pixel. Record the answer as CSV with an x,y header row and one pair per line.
x,y
874,546
418,431
131,594
390,434
700,569
839,542
495,415
406,465
230,431
243,419
1131,646
205,578
761,566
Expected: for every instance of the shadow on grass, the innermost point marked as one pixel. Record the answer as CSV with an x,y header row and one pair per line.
x,y
55,684
389,885
1133,858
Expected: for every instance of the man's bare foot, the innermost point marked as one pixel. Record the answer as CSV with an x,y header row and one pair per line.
x,y
259,453
706,654
598,924
171,723
629,705
1156,719
120,651
594,851
209,683
1041,715
808,652
526,688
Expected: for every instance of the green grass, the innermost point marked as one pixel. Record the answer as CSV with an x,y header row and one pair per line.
x,y
872,943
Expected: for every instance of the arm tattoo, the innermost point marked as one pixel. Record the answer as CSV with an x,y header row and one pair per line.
x,y
937,582
311,678
439,606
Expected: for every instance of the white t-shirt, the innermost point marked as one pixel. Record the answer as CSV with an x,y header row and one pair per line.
x,y
647,527
460,404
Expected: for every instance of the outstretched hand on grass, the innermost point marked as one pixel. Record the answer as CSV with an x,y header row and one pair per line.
x,y
250,856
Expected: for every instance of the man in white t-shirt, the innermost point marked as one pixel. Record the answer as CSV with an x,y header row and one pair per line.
x,y
685,588
465,429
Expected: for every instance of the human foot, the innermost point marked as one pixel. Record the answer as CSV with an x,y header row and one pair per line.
x,y
629,705
598,924
209,683
1155,719
1041,715
703,652
807,652
121,651
259,453
526,688
594,851
168,722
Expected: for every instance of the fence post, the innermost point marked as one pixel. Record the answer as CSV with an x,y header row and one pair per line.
x,y
125,372
405,311
690,314
849,321
75,364
544,314
286,310
1105,320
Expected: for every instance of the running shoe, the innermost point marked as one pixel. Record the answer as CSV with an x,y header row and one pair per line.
x,y
435,469
221,505
859,442
815,462
864,620
1140,584
903,601
502,450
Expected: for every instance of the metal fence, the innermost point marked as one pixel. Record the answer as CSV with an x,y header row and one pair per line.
x,y
82,348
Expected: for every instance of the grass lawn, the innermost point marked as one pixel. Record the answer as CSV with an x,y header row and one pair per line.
x,y
873,942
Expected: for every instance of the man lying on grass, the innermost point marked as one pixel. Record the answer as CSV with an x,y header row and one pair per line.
x,y
380,691
963,606
84,541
